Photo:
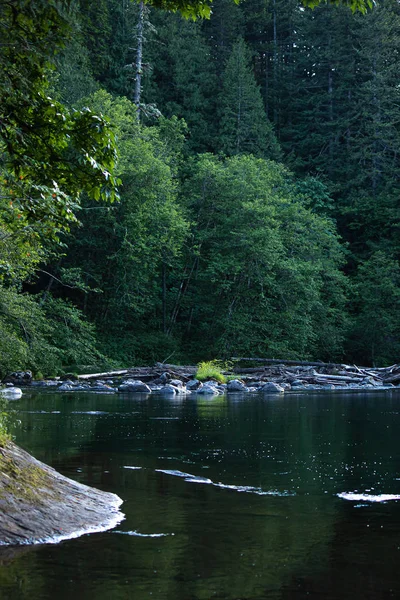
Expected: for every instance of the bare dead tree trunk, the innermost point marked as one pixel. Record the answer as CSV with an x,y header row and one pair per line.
x,y
139,59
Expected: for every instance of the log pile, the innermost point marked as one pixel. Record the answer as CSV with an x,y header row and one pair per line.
x,y
185,373
278,371
318,373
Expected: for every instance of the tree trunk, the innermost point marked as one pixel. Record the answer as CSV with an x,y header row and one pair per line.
x,y
139,59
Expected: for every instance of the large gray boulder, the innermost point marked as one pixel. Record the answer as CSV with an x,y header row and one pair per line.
x,y
235,385
38,505
135,386
176,383
209,388
194,385
169,390
271,387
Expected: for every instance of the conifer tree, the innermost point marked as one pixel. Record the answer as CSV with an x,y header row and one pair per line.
x,y
244,127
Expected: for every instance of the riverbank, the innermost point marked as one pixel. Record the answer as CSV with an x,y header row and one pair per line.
x,y
39,505
271,377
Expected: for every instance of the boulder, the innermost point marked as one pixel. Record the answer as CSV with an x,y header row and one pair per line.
x,y
163,379
66,387
38,505
194,385
136,386
176,382
235,385
297,383
19,378
271,387
168,390
209,388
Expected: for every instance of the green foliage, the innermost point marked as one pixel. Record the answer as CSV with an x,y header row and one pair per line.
x,y
47,337
4,435
128,251
267,278
211,370
49,153
244,126
375,335
203,8
74,338
202,256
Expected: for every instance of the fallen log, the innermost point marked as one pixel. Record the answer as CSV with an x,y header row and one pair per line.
x,y
303,363
392,378
106,374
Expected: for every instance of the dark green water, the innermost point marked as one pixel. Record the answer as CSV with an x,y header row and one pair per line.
x,y
256,516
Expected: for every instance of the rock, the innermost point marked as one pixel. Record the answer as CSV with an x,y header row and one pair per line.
x,y
235,385
19,378
99,387
13,393
193,385
209,388
168,390
271,387
221,388
297,383
66,387
176,382
39,505
136,386
163,379
257,384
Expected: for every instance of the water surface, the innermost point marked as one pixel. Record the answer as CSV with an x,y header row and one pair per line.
x,y
241,498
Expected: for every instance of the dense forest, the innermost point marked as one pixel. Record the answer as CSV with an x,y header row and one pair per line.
x,y
187,189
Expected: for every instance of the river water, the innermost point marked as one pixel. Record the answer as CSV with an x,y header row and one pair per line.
x,y
241,498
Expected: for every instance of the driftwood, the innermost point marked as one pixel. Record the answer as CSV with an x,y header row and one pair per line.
x,y
278,370
276,361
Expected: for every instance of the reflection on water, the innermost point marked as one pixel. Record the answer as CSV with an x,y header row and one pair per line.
x,y
237,498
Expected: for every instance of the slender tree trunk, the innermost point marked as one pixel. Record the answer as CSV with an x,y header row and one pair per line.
x,y
164,296
139,59
275,63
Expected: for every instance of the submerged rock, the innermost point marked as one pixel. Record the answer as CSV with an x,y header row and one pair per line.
x,y
38,505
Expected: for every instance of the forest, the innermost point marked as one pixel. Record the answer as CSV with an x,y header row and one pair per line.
x,y
185,189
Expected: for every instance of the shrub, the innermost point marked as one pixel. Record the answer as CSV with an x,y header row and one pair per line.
x,y
211,370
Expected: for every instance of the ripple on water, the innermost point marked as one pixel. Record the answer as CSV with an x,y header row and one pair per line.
x,y
237,488
146,535
133,468
368,497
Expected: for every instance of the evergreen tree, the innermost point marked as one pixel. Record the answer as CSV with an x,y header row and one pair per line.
x,y
244,127
183,81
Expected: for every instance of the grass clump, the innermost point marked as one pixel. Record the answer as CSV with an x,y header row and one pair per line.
x,y
210,370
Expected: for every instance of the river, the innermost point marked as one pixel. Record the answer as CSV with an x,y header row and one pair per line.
x,y
239,497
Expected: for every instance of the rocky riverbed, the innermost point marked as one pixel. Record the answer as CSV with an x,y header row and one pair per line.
x,y
38,505
174,380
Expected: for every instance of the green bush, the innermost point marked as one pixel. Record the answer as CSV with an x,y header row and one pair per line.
x,y
211,370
